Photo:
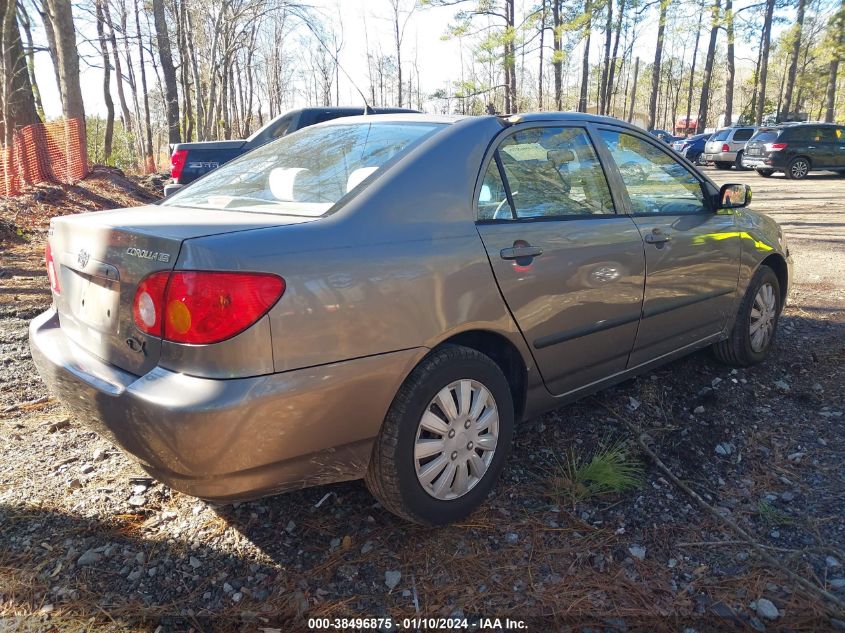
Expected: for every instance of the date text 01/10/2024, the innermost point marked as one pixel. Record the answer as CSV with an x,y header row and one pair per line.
x,y
418,624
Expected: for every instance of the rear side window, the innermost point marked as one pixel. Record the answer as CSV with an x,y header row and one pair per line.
x,y
282,127
827,134
721,135
743,134
803,133
766,136
550,171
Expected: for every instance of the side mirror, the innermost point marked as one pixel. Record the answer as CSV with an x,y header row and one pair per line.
x,y
733,196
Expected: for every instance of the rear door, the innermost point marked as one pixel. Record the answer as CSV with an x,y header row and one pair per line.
x,y
692,252
569,267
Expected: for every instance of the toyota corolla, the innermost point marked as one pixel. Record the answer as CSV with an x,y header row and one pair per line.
x,y
387,297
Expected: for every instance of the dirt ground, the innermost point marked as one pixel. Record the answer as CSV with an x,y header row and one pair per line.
x,y
87,542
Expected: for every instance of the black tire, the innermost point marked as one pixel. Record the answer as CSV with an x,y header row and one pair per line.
x,y
722,165
798,168
738,162
391,476
765,173
736,350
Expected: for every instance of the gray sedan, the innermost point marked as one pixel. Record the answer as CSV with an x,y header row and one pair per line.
x,y
385,297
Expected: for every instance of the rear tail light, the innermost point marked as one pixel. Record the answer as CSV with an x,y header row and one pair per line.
x,y
774,147
177,163
201,307
52,273
726,147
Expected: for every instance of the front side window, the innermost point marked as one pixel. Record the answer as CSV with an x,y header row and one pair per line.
x,y
304,173
656,182
550,171
827,135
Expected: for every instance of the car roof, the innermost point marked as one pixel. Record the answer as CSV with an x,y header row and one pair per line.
x,y
506,119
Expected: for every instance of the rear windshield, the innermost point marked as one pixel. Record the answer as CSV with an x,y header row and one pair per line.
x,y
304,173
721,135
766,136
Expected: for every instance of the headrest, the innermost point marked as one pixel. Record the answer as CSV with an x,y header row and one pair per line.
x,y
560,156
281,181
358,176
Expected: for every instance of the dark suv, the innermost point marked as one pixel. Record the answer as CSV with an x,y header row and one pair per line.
x,y
796,149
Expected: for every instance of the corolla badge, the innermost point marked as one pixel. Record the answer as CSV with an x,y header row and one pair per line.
x,y
83,258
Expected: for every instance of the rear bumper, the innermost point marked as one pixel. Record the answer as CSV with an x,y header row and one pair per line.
x,y
171,187
228,439
755,162
720,157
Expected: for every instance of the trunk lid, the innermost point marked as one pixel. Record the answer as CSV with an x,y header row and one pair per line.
x,y
101,257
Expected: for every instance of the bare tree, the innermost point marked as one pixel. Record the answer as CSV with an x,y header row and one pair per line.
x,y
764,61
18,103
168,70
731,63
655,71
585,60
108,135
66,58
704,102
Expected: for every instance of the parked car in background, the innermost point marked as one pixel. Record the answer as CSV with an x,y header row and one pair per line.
x,y
797,149
664,136
189,161
726,147
386,297
692,148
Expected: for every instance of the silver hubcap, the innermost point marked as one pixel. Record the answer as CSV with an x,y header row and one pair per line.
x,y
763,314
799,169
456,439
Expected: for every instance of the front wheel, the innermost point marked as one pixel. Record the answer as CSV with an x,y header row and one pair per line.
x,y
722,165
445,438
798,169
756,322
765,173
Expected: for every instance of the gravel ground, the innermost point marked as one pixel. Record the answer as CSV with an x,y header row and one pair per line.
x,y
87,541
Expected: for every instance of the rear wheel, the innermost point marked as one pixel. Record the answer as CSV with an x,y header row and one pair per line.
x,y
756,322
765,173
722,165
445,438
738,162
798,169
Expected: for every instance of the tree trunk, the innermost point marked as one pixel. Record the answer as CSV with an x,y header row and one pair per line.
x,y
557,54
837,28
634,90
585,63
655,71
764,61
542,38
26,23
17,98
67,60
731,62
510,57
793,63
612,70
704,103
118,70
171,98
104,49
694,59
605,71
148,153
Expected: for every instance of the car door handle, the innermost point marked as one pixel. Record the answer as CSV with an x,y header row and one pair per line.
x,y
518,252
657,237
811,147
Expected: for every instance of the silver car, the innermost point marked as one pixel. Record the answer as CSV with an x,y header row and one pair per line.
x,y
727,146
387,296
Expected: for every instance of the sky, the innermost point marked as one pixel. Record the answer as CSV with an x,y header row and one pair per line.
x,y
437,58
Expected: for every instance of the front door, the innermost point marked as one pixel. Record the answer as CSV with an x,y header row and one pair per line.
x,y
692,251
569,267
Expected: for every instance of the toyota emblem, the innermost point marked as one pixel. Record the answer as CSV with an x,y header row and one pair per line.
x,y
82,258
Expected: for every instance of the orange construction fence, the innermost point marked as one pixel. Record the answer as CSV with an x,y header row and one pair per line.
x,y
45,152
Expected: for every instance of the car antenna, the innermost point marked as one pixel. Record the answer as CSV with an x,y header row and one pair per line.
x,y
367,107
